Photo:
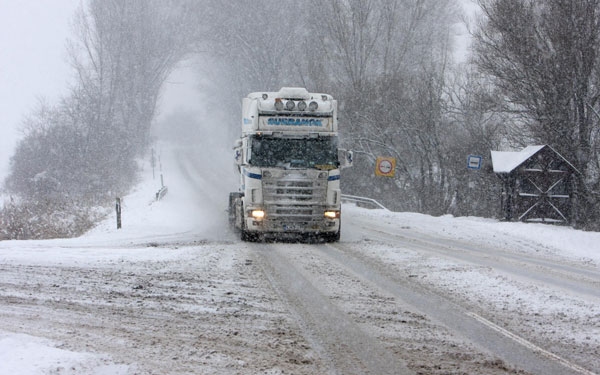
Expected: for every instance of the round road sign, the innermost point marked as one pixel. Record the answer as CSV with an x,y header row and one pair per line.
x,y
385,166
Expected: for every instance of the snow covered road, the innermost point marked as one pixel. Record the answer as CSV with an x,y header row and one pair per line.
x,y
174,292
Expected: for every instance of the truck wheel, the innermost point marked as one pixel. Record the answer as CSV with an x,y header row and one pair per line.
x,y
245,235
248,237
333,237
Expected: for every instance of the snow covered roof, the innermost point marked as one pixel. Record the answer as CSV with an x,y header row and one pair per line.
x,y
507,161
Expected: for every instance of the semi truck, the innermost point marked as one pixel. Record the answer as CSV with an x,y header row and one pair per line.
x,y
289,164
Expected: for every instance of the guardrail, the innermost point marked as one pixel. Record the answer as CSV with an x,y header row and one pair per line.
x,y
161,193
163,190
363,202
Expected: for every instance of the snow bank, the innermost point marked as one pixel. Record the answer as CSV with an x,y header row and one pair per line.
x,y
29,355
564,242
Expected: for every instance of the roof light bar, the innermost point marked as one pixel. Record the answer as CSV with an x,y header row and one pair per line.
x,y
278,104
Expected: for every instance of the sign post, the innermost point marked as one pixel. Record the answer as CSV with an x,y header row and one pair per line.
x,y
118,208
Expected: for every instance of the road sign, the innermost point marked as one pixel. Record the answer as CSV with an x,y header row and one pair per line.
x,y
474,162
385,166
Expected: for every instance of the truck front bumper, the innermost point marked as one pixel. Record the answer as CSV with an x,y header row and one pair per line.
x,y
326,225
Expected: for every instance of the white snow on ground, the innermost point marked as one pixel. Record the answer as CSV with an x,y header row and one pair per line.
x,y
146,220
561,241
28,355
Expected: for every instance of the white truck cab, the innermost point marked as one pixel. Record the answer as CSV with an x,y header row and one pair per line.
x,y
289,166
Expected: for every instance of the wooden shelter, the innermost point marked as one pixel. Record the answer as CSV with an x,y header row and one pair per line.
x,y
539,185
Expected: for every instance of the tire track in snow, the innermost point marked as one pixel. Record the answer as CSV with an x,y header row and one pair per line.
x,y
550,302
342,343
204,311
577,280
513,349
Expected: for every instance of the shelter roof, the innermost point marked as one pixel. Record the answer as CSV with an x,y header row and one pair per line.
x,y
508,161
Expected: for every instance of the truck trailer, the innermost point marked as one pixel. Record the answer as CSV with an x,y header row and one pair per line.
x,y
289,164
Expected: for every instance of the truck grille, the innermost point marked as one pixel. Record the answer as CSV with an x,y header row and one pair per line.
x,y
294,199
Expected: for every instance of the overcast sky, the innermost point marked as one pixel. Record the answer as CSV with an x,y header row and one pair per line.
x,y
33,61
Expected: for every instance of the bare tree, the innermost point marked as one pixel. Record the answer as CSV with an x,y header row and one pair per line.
x,y
123,53
388,60
82,151
476,126
543,58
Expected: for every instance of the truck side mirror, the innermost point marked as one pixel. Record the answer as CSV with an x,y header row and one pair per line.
x,y
345,158
237,149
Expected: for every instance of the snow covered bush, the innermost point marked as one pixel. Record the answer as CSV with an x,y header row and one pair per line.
x,y
46,219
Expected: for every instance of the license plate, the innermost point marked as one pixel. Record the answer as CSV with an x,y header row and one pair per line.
x,y
291,227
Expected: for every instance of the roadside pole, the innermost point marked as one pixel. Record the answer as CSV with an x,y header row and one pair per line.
x,y
118,208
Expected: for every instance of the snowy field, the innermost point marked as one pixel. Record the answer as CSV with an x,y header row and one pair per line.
x,y
561,242
175,228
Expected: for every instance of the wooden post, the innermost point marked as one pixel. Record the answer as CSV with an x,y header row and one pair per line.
x,y
118,208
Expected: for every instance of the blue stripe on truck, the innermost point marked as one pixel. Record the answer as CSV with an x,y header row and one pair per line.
x,y
252,175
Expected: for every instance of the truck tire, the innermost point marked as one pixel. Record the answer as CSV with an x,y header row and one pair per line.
x,y
333,237
247,236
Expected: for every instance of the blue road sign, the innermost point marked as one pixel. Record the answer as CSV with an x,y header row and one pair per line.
x,y
474,162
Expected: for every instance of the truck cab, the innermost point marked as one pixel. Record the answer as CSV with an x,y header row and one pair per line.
x,y
289,163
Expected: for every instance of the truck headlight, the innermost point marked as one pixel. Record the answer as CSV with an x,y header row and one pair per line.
x,y
332,214
258,214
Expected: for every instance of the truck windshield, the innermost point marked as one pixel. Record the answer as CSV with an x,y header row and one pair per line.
x,y
320,153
